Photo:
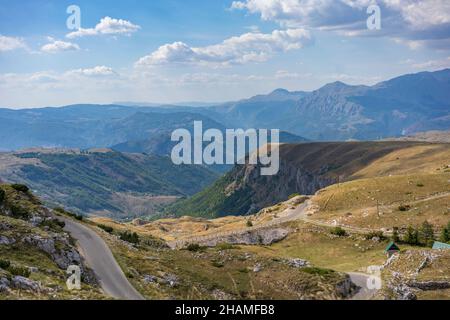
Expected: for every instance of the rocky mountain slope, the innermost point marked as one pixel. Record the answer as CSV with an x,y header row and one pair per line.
x,y
35,252
304,169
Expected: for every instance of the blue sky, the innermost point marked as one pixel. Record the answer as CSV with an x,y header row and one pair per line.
x,y
171,51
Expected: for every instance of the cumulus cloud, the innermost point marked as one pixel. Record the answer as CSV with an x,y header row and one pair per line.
x,y
411,20
98,71
59,46
106,26
249,47
11,43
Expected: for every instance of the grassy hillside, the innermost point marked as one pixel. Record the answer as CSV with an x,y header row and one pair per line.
x,y
104,182
306,168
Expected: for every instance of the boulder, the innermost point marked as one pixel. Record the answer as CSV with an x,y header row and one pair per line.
x,y
23,283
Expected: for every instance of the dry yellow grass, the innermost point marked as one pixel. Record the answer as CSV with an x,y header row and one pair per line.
x,y
377,202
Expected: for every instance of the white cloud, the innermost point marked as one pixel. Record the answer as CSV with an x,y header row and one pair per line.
x,y
249,47
432,65
98,71
412,20
422,14
106,26
11,43
59,46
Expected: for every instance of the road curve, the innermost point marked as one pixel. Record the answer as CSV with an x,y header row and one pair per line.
x,y
99,258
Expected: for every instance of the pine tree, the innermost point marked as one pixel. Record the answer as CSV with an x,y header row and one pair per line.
x,y
411,236
427,233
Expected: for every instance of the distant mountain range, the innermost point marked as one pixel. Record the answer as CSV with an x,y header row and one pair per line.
x,y
401,106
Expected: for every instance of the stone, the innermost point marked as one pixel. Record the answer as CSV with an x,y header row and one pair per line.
x,y
6,241
298,263
23,283
150,279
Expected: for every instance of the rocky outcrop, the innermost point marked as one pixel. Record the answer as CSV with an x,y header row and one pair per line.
x,y
64,255
251,237
19,282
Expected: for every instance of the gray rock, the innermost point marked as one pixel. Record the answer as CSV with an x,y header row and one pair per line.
x,y
298,263
23,283
257,268
150,279
63,257
6,241
4,285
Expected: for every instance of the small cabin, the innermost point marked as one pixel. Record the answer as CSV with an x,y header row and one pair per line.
x,y
391,249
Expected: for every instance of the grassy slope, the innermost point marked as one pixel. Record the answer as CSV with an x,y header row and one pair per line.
x,y
417,177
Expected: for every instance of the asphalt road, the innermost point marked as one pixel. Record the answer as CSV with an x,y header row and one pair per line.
x,y
100,259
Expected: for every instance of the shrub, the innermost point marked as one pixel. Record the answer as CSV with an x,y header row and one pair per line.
x,y
53,224
19,212
217,264
4,264
317,271
404,207
420,185
194,247
293,195
20,187
106,228
2,195
129,237
338,231
19,271
249,223
375,234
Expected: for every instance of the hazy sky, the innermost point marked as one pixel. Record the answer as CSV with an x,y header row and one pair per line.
x,y
209,50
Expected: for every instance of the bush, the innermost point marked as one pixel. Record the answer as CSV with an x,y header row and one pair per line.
x,y
20,187
420,185
19,271
2,195
404,208
249,223
194,247
338,231
375,234
70,214
217,264
19,212
106,228
53,224
445,235
317,271
4,264
129,237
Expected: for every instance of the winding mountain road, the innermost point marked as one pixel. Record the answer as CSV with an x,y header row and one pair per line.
x,y
100,259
